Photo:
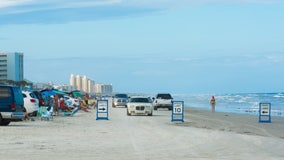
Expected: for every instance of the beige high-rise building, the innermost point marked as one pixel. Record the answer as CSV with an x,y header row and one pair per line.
x,y
91,86
79,82
85,84
73,81
82,83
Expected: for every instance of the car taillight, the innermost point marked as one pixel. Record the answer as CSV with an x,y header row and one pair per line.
x,y
13,106
33,100
76,100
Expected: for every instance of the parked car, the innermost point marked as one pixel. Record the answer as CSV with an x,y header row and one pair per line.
x,y
140,105
11,104
163,100
120,100
70,101
42,100
31,103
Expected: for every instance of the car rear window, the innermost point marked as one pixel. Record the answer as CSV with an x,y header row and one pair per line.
x,y
120,96
142,100
164,96
33,95
5,93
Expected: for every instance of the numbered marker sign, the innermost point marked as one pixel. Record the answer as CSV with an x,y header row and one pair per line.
x,y
178,108
102,109
178,111
264,112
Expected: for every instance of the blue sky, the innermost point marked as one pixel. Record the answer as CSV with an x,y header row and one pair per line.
x,y
185,46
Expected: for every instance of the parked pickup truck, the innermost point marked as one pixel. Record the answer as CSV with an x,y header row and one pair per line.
x,y
11,104
163,100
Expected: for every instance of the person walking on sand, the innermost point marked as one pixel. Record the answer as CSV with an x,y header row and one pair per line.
x,y
213,104
56,104
86,100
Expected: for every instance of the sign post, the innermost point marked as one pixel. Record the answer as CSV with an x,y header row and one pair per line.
x,y
264,112
178,111
102,109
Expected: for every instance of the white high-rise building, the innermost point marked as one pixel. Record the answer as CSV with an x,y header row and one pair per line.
x,y
73,81
85,84
91,86
11,67
79,82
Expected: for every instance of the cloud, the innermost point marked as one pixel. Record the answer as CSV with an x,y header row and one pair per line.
x,y
35,6
90,3
49,12
63,11
9,3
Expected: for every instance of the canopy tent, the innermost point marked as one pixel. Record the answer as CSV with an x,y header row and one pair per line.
x,y
52,92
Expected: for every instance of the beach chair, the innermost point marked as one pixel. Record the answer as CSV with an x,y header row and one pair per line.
x,y
41,110
47,115
75,110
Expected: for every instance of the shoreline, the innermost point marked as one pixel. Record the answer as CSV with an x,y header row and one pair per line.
x,y
254,112
234,122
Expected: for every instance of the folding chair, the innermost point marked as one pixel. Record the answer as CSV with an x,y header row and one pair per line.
x,y
75,110
48,115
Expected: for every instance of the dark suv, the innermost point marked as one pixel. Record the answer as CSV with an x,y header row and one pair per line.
x,y
11,104
42,101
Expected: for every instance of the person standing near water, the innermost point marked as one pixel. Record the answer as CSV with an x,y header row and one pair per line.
x,y
213,104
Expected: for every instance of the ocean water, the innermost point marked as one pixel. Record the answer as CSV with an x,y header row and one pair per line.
x,y
244,103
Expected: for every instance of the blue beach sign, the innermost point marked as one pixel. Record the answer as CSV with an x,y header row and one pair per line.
x,y
178,111
264,112
102,109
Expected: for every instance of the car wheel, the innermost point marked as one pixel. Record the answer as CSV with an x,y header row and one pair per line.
x,y
128,113
170,108
4,122
150,114
35,113
155,108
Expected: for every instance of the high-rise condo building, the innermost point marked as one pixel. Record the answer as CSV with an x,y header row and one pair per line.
x,y
103,88
82,83
73,81
11,67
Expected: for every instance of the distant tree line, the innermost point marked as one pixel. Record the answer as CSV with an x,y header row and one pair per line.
x,y
21,84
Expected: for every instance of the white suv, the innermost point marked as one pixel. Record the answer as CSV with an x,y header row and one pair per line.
x,y
163,100
71,102
31,103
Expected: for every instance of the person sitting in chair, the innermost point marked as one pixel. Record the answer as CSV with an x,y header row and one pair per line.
x,y
63,106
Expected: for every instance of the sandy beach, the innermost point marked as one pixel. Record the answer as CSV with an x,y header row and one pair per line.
x,y
203,135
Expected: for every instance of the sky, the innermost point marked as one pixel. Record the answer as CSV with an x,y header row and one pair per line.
x,y
150,46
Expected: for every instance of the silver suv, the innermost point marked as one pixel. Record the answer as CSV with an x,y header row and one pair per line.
x,y
119,100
